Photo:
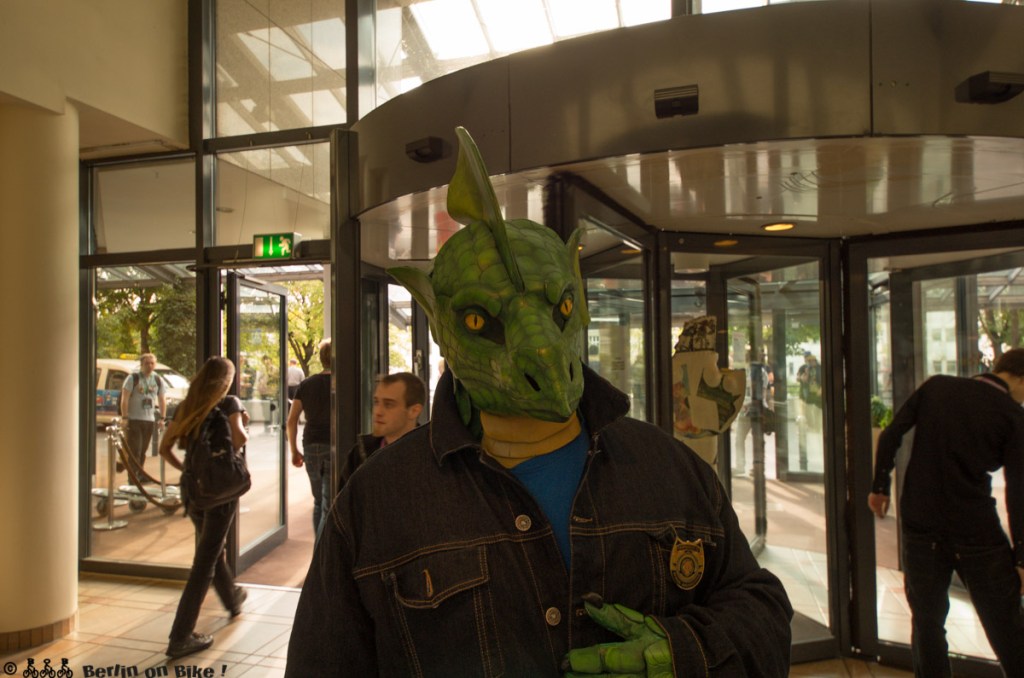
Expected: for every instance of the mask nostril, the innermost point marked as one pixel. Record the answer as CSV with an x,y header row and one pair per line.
x,y
533,382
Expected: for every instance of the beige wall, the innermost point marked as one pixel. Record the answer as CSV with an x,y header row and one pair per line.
x,y
126,58
39,363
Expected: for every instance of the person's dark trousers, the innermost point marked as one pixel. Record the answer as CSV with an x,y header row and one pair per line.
x,y
140,433
210,563
991,579
317,460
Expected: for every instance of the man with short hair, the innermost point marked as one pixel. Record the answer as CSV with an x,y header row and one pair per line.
x,y
314,398
397,403
964,430
143,406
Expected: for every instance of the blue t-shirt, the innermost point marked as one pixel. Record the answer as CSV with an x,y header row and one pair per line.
x,y
552,479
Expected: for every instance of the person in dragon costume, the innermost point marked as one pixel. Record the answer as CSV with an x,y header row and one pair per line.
x,y
487,543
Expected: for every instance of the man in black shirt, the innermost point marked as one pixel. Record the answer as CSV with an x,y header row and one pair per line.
x,y
314,398
965,429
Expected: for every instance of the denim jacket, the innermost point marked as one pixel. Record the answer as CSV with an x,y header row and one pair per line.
x,y
436,561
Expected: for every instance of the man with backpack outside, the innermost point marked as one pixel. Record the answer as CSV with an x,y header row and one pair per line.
x,y
143,406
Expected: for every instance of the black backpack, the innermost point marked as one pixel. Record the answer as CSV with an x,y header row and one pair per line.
x,y
214,472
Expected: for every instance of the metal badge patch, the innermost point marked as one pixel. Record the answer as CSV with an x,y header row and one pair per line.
x,y
687,563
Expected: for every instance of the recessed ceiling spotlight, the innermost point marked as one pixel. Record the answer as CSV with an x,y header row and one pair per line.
x,y
726,242
777,226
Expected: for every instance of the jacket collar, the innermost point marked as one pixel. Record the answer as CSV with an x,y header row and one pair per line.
x,y
601,405
995,381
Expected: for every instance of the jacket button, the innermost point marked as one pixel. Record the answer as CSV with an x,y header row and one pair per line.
x,y
523,523
553,616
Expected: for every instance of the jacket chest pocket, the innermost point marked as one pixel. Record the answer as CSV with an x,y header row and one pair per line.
x,y
442,610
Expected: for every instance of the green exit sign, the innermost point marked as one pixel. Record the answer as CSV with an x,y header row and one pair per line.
x,y
274,245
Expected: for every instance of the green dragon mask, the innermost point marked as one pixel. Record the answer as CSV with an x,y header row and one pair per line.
x,y
505,303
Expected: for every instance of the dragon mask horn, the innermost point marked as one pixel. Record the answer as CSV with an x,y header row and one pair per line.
x,y
471,199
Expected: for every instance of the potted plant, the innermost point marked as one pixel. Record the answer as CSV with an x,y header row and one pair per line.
x,y
881,414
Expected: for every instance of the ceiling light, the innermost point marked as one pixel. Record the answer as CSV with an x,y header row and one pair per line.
x,y
726,242
778,226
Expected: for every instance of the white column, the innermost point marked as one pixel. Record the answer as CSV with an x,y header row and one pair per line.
x,y
39,391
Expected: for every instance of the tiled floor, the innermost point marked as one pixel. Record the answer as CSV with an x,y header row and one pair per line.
x,y
123,622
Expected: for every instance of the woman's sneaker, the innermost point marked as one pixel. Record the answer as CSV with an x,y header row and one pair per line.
x,y
197,642
237,599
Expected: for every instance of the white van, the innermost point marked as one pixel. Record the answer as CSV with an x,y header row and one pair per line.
x,y
110,376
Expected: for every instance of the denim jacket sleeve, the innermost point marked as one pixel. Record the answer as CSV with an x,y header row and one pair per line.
x,y
332,634
743,627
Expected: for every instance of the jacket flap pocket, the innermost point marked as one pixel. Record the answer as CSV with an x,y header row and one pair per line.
x,y
431,579
668,536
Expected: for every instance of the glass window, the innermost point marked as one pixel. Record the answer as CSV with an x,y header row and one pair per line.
x,y
139,309
422,40
280,65
273,190
615,336
400,355
140,207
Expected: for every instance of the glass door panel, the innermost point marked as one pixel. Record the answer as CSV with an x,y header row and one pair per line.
x,y
955,318
615,336
134,508
260,359
777,443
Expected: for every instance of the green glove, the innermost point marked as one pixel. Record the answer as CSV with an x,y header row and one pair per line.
x,y
644,652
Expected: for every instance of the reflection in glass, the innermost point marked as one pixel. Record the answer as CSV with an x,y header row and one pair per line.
x,y
615,337
273,190
262,392
140,309
280,65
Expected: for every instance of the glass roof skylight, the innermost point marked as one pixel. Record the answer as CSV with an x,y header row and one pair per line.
x,y
515,27
636,12
576,17
450,28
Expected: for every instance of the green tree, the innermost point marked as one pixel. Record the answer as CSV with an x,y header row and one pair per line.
x,y
124,320
156,319
305,322
174,323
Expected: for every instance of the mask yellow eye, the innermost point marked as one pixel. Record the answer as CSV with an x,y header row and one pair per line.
x,y
566,307
474,322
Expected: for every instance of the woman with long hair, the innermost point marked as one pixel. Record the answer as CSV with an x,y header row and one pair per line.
x,y
208,390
